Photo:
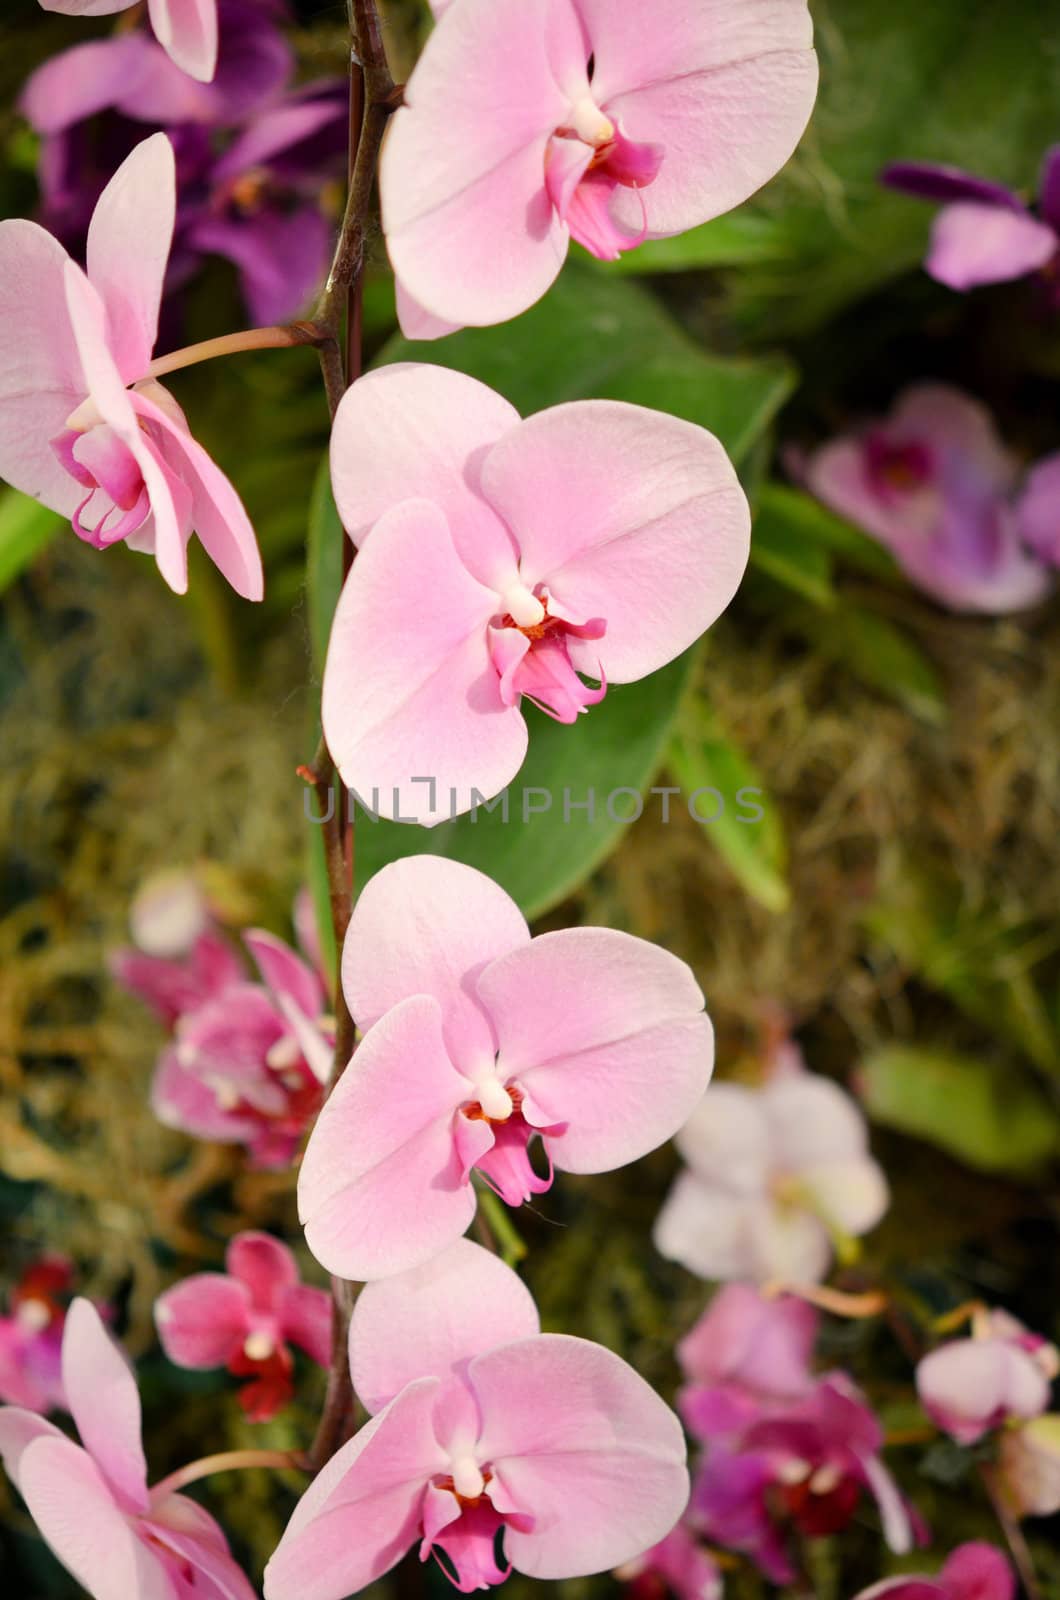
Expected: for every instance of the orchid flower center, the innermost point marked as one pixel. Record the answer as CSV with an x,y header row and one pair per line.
x,y
531,641
587,161
898,467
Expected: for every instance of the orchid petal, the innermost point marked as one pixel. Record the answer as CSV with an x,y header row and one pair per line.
x,y
426,925
628,515
568,1424
104,1402
380,1188
432,1321
284,972
264,1265
19,1429
129,240
973,244
304,1314
607,1034
409,688
202,1319
187,31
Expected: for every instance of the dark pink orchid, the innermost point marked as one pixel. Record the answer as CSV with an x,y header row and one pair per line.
x,y
91,1502
245,1318
678,1565
973,1572
119,461
984,233
481,1427
31,1337
745,1354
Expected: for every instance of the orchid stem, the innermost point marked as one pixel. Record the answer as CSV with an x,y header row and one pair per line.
x,y
372,100
231,344
1017,1544
839,1303
227,1461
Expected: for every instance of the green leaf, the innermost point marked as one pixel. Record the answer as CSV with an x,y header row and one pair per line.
x,y
603,338
734,240
985,1117
25,528
813,523
781,551
541,855
317,873
325,542
748,831
878,653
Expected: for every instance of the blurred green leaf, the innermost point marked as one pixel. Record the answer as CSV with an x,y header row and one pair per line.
x,y
733,240
702,757
609,339
540,856
325,541
987,1118
780,549
317,873
25,528
878,653
815,525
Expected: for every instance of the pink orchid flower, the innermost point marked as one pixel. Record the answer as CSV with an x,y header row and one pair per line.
x,y
479,1039
775,1178
1003,1372
481,1425
248,1065
1029,1464
186,29
973,1572
984,232
119,1539
678,1565
245,1318
797,1470
119,461
501,558
745,1354
933,483
527,123
31,1337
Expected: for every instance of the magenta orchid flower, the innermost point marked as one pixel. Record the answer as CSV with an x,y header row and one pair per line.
x,y
119,462
179,957
745,1354
984,233
481,1425
245,1318
248,1065
973,1572
800,1469
527,123
1003,1372
119,1539
31,1337
678,1565
479,1039
500,559
186,29
775,1178
933,483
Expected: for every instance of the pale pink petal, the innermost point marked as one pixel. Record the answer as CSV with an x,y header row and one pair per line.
x,y
894,1514
87,8
628,515
431,1321
128,250
786,1244
426,925
202,1548
470,228
1038,510
607,1034
364,1509
417,432
202,1320
812,1121
187,31
705,1229
725,89
180,1099
381,1188
218,515
285,972
114,405
89,78
104,1402
18,1430
264,1264
726,1139
41,378
305,1320
73,1507
849,1196
971,1385
975,244
415,322
578,1441
410,691
763,1345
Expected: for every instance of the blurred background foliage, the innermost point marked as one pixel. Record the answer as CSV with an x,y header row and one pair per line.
x,y
897,898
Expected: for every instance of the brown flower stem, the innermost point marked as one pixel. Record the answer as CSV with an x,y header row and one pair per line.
x,y
227,1461
1022,1559
289,336
372,99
